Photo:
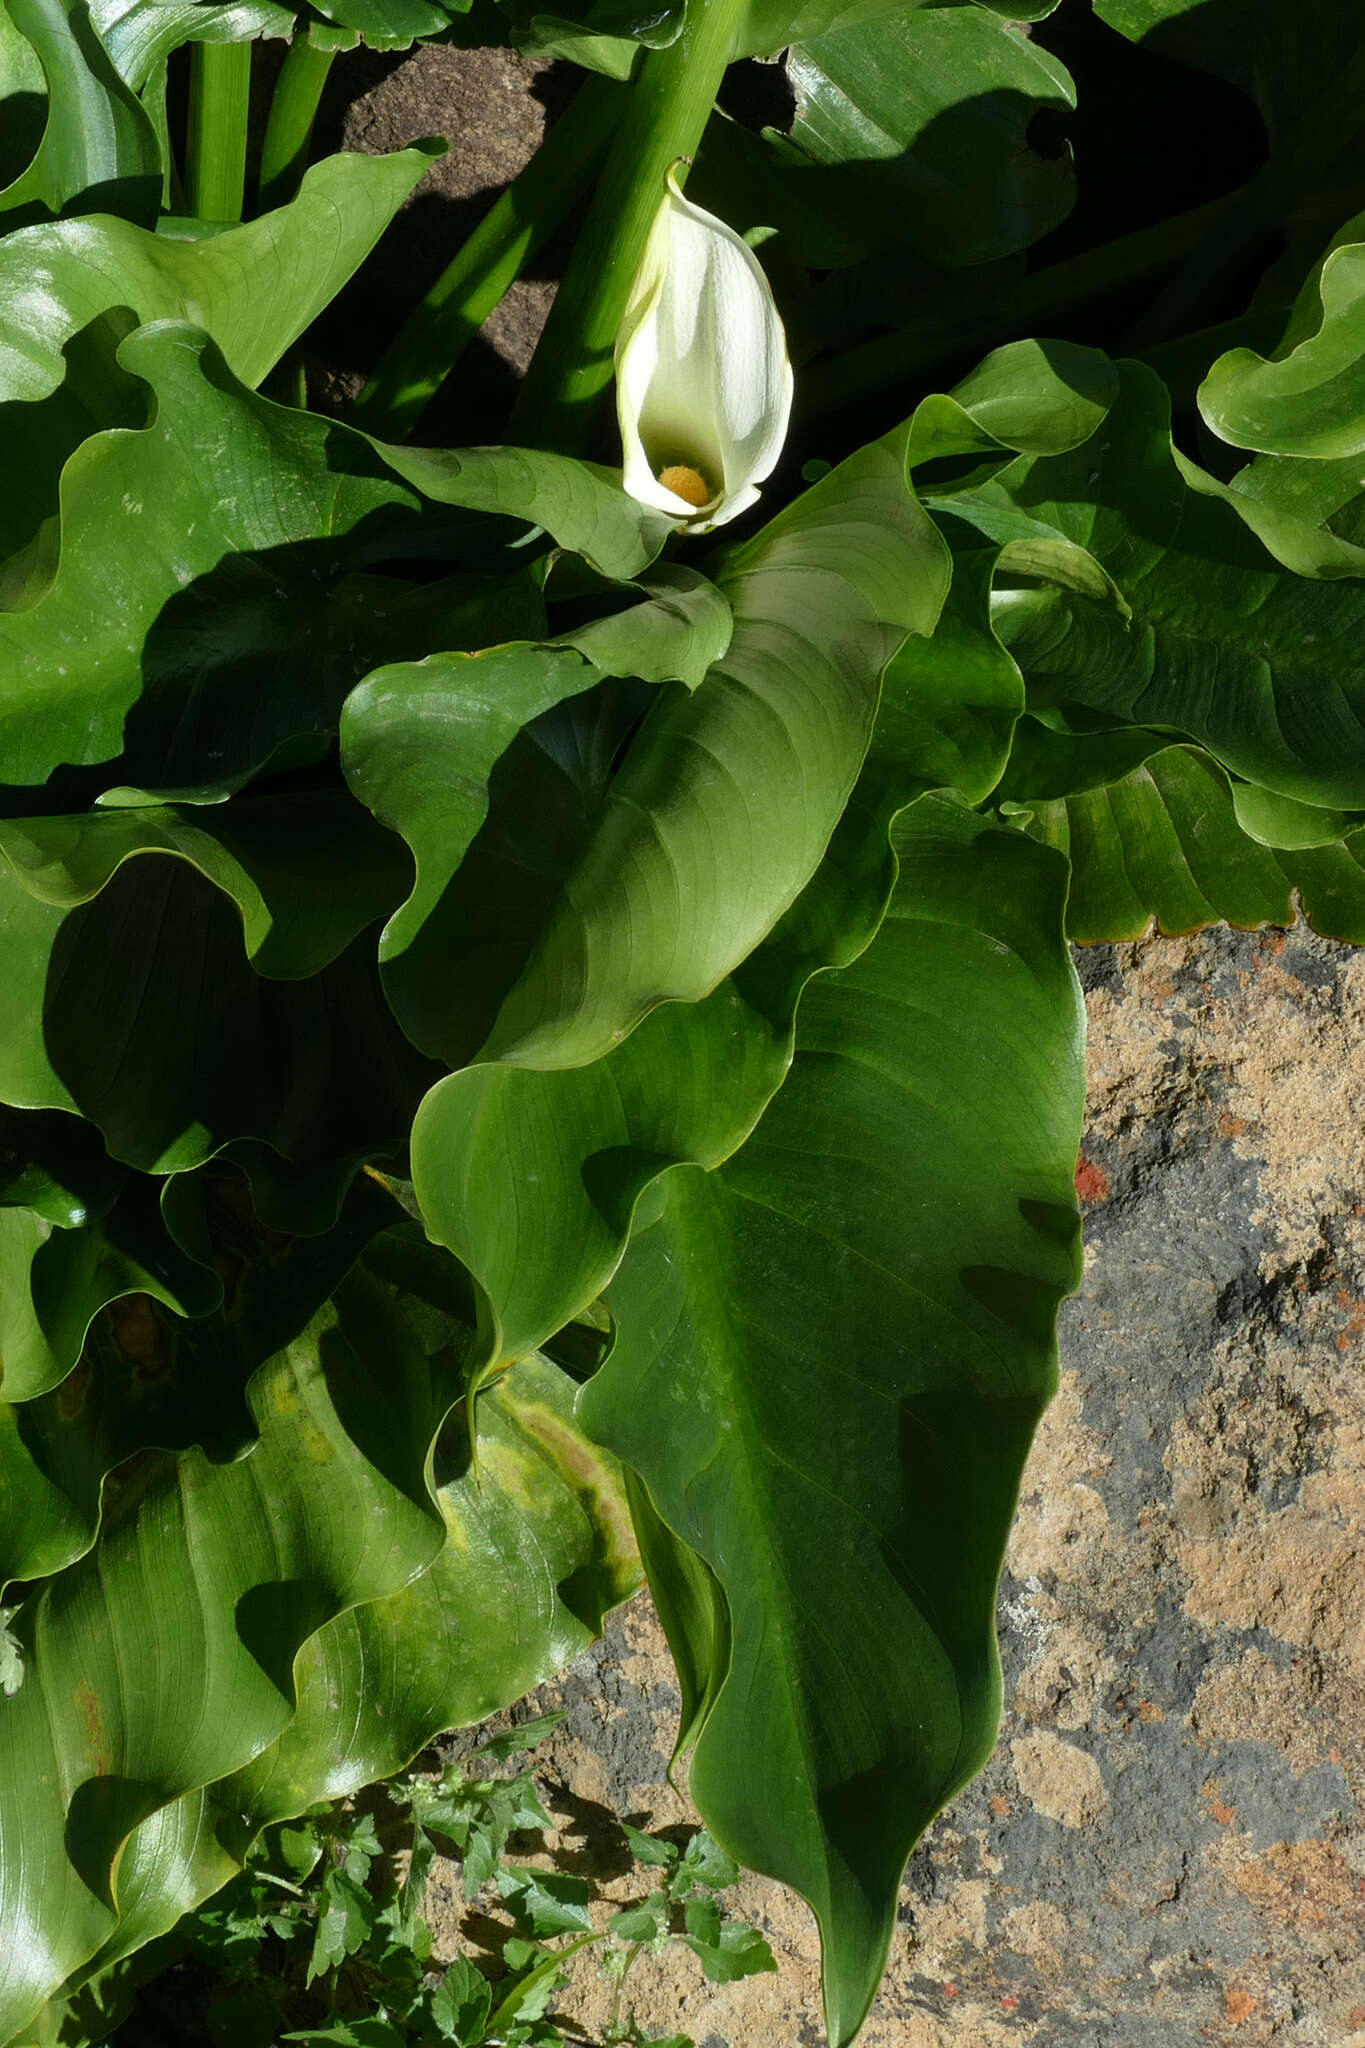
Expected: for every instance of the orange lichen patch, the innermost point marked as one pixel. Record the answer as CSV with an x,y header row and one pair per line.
x,y
1149,1711
686,483
1352,1307
1000,1806
1226,1816
141,1338
1232,1126
1092,1182
1308,1884
1238,2006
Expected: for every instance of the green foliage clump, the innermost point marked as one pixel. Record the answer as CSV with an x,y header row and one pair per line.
x,y
538,1041
320,1940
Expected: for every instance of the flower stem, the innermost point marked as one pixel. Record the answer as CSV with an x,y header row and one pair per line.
x,y
293,110
667,108
215,168
427,348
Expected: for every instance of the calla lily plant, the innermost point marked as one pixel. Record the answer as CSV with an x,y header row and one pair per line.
x,y
703,383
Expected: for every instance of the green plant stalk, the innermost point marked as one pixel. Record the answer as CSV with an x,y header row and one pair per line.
x,y
665,114
891,359
425,351
289,129
215,162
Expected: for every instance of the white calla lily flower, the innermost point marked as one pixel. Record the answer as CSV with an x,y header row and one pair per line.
x,y
703,384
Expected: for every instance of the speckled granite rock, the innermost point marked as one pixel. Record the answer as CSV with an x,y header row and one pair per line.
x,y
1167,1849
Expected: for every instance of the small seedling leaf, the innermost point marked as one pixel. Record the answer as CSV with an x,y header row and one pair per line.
x,y
460,2004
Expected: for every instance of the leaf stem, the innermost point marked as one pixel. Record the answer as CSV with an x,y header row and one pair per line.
x,y
425,351
215,165
293,110
665,113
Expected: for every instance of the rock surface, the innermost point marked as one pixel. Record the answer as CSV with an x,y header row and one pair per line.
x,y
1167,1849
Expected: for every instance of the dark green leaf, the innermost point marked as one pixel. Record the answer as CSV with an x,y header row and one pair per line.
x,y
56,385
695,854
346,1914
739,1952
641,1923
1207,637
705,1862
99,151
461,2002
649,1849
1170,841
189,1048
526,1735
546,1902
913,130
835,1321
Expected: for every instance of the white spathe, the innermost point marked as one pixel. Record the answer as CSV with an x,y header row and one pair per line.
x,y
703,384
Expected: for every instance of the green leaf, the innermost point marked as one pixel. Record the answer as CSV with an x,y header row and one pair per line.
x,y
726,1953
166,1659
1279,821
140,34
346,1914
1027,398
1310,513
148,1375
695,1618
296,258
392,24
675,633
697,853
354,2034
189,1048
526,1735
460,2003
420,742
641,1923
1170,840
375,1682
1210,637
691,1081
913,128
99,151
308,871
530,1996
1309,399
1287,62
23,101
802,1331
546,1902
705,1862
580,504
651,1850
239,606
55,389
